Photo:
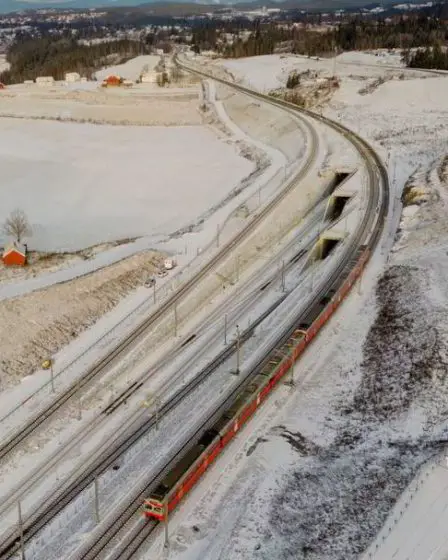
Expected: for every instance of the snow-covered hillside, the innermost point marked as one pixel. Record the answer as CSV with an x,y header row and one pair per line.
x,y
401,112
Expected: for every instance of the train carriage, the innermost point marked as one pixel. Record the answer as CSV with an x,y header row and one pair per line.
x,y
189,469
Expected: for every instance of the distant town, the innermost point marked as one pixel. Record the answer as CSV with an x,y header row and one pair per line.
x,y
135,23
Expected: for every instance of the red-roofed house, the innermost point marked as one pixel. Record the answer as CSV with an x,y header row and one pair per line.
x,y
14,255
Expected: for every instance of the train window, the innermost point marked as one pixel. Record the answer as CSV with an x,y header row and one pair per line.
x,y
156,507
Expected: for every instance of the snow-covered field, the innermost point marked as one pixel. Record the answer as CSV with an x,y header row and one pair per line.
x,y
404,113
83,184
130,70
324,464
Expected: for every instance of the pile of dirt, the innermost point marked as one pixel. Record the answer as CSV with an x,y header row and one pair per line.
x,y
308,89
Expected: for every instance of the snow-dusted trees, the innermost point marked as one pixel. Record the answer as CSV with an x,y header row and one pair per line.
x,y
17,225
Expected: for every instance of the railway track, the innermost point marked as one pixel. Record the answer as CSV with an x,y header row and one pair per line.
x,y
362,243
42,416
259,285
44,514
365,228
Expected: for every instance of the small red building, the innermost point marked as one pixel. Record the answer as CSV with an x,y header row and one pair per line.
x,y
14,255
2,86
113,81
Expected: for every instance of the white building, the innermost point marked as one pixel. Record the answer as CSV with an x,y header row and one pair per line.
x,y
45,81
72,77
149,77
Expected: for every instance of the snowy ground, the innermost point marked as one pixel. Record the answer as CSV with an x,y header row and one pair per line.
x,y
140,105
82,184
325,463
130,70
402,113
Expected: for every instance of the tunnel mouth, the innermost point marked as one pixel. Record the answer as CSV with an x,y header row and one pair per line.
x,y
324,247
337,207
328,245
338,178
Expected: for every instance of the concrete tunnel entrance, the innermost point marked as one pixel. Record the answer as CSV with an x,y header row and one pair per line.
x,y
323,248
337,179
336,206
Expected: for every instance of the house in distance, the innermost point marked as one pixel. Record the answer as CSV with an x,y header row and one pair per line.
x,y
14,255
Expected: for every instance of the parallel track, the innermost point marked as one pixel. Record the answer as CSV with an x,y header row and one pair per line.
x,y
42,416
127,438
359,238
367,234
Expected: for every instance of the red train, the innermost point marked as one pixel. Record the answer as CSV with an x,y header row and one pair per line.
x,y
192,465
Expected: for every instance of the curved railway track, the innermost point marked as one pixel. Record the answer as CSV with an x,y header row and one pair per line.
x,y
364,241
42,416
367,233
127,438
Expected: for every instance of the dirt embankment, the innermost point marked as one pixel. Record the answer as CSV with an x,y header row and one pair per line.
x,y
33,327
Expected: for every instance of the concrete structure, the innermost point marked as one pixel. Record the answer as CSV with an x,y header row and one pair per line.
x,y
29,82
169,264
45,81
14,255
72,77
149,77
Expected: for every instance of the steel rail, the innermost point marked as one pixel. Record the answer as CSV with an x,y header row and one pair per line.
x,y
364,236
361,232
42,416
235,313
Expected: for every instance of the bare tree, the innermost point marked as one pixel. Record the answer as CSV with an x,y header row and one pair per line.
x,y
17,225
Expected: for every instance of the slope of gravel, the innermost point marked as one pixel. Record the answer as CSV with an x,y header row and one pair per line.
x,y
37,325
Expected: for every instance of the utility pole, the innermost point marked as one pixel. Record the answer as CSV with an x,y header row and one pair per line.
x,y
167,537
283,276
97,501
238,350
175,320
22,544
157,405
52,377
78,390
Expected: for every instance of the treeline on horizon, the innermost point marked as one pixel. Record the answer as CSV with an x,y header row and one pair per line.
x,y
51,56
428,35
